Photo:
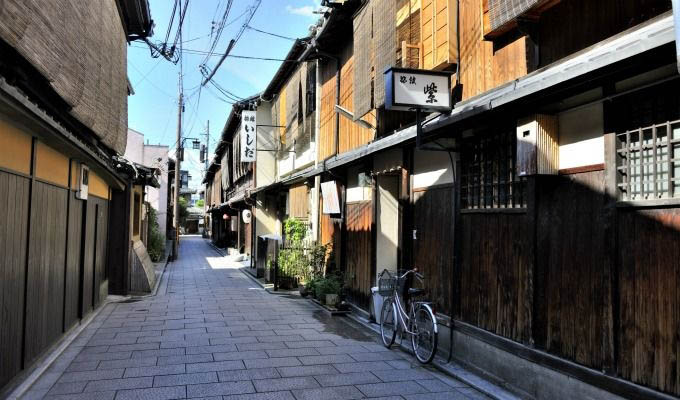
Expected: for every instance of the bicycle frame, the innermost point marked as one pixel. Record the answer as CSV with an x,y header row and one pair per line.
x,y
403,318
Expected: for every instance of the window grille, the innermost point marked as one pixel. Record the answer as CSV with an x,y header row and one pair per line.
x,y
489,179
648,162
311,88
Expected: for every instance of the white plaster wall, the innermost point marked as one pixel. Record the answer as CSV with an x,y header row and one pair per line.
x,y
581,136
157,157
134,151
387,238
431,168
354,191
265,216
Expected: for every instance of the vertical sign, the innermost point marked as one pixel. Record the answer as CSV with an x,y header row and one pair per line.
x,y
248,136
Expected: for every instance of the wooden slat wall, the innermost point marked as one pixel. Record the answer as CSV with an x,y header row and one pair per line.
x,y
87,287
572,277
496,260
482,68
14,195
362,62
433,248
100,249
359,273
299,201
585,22
648,280
352,135
326,141
45,272
74,238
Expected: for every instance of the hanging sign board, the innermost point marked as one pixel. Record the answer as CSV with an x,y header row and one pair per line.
x,y
416,89
248,136
331,197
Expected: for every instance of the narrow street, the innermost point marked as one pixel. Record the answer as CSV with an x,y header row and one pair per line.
x,y
211,332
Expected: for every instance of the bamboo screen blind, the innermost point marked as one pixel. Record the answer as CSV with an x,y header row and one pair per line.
x,y
375,49
80,47
299,201
503,11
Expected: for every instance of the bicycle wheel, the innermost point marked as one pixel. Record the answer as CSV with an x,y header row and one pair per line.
x,y
388,323
424,339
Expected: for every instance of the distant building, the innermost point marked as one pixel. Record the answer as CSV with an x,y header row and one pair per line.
x,y
155,157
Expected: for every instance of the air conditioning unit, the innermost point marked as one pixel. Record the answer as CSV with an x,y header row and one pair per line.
x,y
538,150
83,182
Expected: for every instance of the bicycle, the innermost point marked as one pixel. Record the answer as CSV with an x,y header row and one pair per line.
x,y
420,321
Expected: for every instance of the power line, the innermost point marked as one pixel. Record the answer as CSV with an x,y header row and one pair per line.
x,y
201,52
270,33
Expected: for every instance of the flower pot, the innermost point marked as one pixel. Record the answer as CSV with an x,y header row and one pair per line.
x,y
331,300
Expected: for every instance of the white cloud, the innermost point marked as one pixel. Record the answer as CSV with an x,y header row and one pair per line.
x,y
307,11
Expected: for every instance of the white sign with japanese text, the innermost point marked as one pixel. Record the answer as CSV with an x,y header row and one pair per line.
x,y
421,90
248,136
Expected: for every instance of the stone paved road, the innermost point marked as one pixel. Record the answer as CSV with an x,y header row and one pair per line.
x,y
212,333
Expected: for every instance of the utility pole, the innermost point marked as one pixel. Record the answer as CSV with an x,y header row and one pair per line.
x,y
175,208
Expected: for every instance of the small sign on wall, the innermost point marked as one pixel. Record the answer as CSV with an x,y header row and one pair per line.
x,y
248,136
410,89
331,197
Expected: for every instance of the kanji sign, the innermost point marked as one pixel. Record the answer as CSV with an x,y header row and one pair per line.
x,y
248,136
409,89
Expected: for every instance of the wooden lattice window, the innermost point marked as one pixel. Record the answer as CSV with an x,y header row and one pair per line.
x,y
489,179
648,162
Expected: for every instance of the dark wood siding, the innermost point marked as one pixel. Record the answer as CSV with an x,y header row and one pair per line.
x,y
360,273
101,237
649,316
45,272
496,273
433,248
572,276
14,195
89,243
75,231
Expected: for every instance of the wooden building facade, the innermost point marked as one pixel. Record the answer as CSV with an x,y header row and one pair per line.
x,y
60,128
546,221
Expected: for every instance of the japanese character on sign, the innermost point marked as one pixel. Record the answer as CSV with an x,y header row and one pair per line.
x,y
248,136
430,90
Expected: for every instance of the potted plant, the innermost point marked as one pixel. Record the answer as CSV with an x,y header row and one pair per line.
x,y
328,290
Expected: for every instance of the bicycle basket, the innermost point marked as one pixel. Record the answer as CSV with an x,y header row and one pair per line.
x,y
386,283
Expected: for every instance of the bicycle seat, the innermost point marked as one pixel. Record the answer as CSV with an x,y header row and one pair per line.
x,y
416,292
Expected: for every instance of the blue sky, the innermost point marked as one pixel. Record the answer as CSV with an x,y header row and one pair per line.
x,y
152,110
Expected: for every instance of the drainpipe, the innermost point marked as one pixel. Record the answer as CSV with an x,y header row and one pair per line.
x,y
676,24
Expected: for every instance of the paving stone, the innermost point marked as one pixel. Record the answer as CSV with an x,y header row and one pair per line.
x,y
395,375
82,366
248,374
330,393
403,364
434,385
133,362
68,388
286,338
261,396
154,371
133,347
183,343
392,388
309,343
83,396
272,385
328,359
261,346
240,355
163,393
220,389
192,358
304,351
253,333
307,370
382,356
353,378
185,379
177,351
103,356
473,394
220,348
117,384
215,366
272,362
451,395
342,349
91,375
233,340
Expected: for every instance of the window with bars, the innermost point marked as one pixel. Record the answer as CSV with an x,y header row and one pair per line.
x,y
488,176
648,162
